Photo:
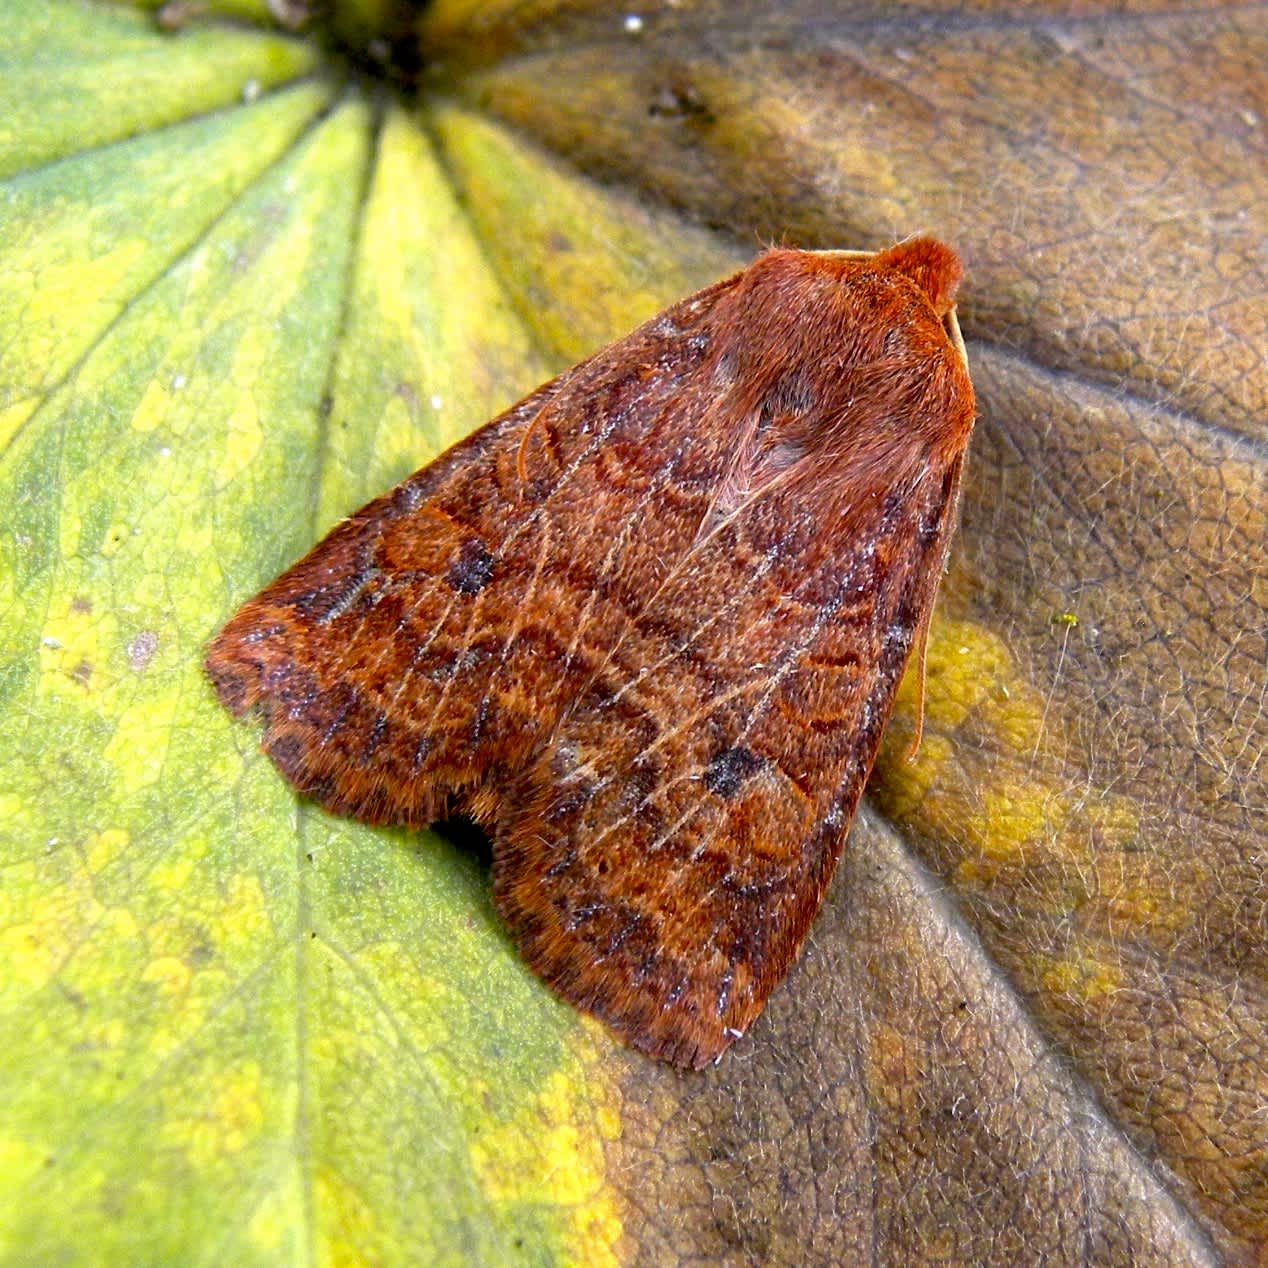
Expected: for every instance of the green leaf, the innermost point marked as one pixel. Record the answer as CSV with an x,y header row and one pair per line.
x,y
76,75
266,1011
84,237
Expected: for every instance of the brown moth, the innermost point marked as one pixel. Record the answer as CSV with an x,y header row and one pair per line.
x,y
645,628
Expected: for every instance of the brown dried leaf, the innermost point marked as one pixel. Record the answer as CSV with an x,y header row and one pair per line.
x,y
1038,1030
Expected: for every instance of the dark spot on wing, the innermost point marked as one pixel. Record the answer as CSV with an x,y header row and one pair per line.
x,y
730,769
472,569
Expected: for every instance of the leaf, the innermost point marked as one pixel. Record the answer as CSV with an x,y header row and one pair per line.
x,y
239,297
73,76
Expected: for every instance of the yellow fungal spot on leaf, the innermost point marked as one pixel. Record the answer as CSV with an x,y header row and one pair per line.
x,y
117,924
33,951
244,435
205,922
988,785
154,404
1128,887
232,1113
20,1160
1140,908
172,876
964,665
975,873
92,966
1086,979
168,935
245,912
243,439
909,784
81,282
113,539
893,1071
71,650
178,1025
552,1152
349,1225
140,742
1014,816
102,848
170,975
970,680
13,416
272,1226
29,961
397,425
109,1033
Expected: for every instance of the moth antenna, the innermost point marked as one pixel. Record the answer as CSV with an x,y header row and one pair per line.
x,y
922,656
521,461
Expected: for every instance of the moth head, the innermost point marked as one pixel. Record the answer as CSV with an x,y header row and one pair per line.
x,y
840,356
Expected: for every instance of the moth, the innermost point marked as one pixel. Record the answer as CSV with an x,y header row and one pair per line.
x,y
645,628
